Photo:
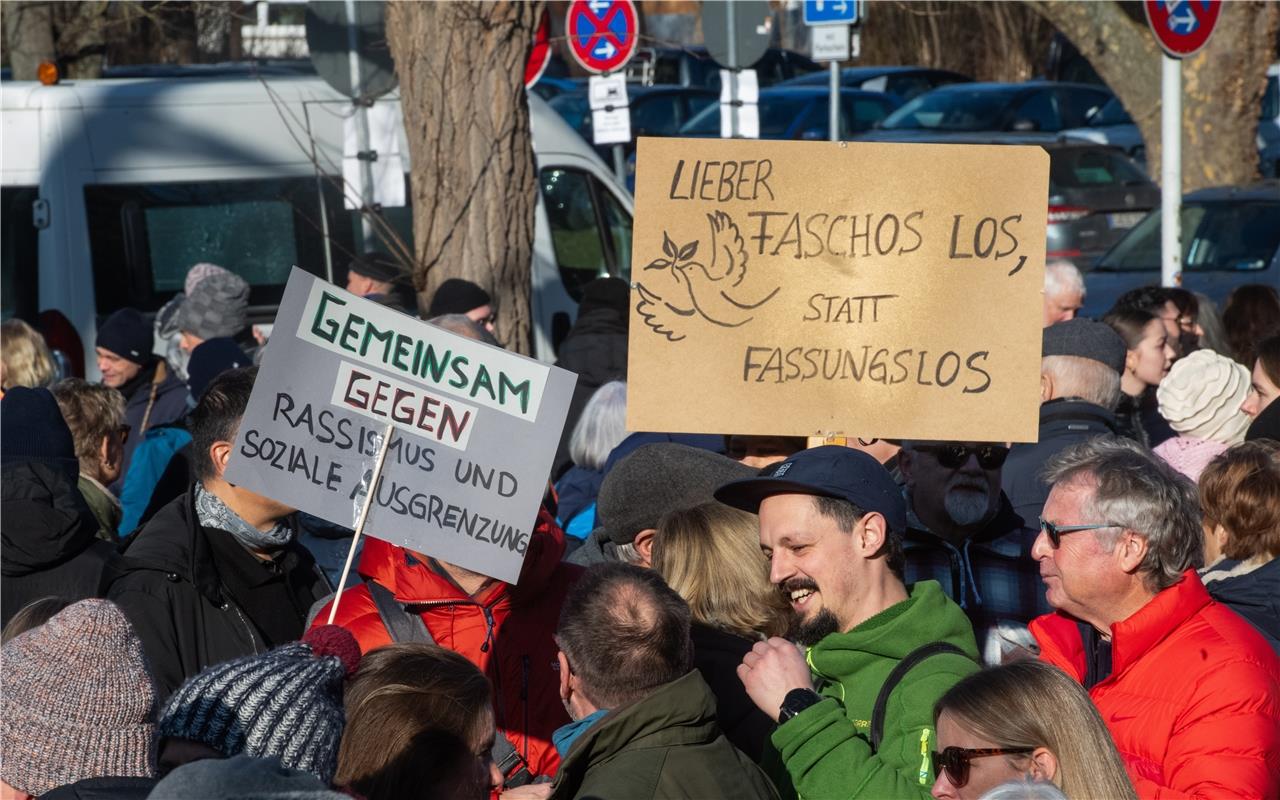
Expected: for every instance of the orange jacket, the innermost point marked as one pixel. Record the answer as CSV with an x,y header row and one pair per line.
x,y
507,631
1193,699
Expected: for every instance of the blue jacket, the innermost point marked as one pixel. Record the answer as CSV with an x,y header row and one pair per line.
x,y
170,404
1063,422
577,492
150,459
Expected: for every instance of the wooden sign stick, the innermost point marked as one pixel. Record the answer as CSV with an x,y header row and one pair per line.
x,y
364,514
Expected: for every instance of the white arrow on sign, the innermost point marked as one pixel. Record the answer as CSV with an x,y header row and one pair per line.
x,y
598,5
1187,22
604,50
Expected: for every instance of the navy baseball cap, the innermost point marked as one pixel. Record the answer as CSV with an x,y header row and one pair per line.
x,y
827,471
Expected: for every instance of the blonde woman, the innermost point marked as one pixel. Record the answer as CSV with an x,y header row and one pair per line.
x,y
25,359
1024,721
710,555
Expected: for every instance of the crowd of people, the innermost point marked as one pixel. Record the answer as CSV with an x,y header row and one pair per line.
x,y
1092,615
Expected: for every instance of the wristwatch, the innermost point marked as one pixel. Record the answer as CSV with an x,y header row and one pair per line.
x,y
797,700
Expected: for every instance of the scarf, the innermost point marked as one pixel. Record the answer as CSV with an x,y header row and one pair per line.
x,y
566,735
213,513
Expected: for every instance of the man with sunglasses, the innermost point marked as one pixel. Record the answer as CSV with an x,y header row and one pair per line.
x,y
963,533
1189,690
830,523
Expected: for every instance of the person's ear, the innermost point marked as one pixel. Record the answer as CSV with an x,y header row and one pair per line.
x,y
220,454
1044,765
1133,551
1046,387
872,531
1221,536
644,546
107,453
1130,360
565,690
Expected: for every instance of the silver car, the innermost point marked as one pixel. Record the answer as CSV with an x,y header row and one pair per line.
x,y
1096,195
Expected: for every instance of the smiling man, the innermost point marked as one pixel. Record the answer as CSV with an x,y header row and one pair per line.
x,y
1189,690
879,655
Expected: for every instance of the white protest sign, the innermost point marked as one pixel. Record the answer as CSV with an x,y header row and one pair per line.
x,y
474,428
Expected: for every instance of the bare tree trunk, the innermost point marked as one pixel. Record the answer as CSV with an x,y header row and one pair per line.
x,y
28,37
81,36
1222,84
461,68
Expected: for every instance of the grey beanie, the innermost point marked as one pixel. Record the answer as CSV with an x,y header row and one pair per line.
x,y
285,703
657,479
75,701
217,306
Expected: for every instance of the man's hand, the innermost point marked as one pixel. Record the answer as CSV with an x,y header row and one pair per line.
x,y
530,791
772,669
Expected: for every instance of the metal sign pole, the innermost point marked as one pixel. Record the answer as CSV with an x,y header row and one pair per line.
x,y
833,118
362,124
1171,172
734,103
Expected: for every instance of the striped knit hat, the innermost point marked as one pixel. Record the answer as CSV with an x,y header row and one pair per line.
x,y
285,703
75,701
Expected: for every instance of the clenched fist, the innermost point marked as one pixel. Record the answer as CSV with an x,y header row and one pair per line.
x,y
772,669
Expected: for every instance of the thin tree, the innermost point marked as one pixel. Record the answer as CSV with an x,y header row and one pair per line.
x,y
474,184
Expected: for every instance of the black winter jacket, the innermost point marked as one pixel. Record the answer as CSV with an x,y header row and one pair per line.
x,y
1253,593
1063,422
596,349
196,597
717,654
50,544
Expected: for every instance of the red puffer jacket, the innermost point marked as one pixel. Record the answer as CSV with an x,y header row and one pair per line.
x,y
507,631
1193,699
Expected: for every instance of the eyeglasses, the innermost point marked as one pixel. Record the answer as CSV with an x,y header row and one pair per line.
x,y
1054,532
954,456
955,760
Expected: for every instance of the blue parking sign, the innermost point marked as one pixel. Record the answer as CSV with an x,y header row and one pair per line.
x,y
831,12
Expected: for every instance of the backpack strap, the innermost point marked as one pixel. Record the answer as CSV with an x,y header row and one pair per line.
x,y
402,625
895,677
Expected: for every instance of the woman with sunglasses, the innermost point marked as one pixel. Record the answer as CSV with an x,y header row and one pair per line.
x,y
1147,361
1027,719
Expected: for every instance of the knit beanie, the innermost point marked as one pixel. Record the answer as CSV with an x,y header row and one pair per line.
x,y
127,334
285,703
1201,397
378,267
217,306
77,701
1189,455
32,429
199,272
456,296
211,358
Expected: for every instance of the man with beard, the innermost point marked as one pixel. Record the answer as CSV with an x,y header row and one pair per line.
x,y
879,655
963,533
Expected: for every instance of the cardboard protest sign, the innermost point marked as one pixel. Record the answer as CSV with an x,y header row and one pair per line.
x,y
809,288
474,428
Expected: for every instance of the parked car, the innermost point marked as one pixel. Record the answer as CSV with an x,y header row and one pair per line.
x,y
1230,237
655,111
1113,126
904,83
1034,107
801,112
693,66
1096,195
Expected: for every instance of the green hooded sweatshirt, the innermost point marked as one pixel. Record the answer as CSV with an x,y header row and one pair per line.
x,y
826,748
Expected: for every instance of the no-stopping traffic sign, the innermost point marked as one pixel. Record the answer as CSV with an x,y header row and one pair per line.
x,y
602,34
1182,26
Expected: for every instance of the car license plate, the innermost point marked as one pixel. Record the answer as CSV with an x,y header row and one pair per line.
x,y
1125,219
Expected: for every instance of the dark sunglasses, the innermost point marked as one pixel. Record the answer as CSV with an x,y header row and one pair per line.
x,y
955,761
953,456
1054,532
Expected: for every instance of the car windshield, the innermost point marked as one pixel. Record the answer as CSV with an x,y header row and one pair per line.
x,y
1233,236
1088,167
1111,113
953,110
777,113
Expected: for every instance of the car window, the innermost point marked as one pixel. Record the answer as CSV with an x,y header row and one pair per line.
x,y
1112,112
779,113
862,113
952,110
1078,105
19,252
1079,167
1040,108
907,86
618,221
697,103
656,115
705,123
575,227
1216,236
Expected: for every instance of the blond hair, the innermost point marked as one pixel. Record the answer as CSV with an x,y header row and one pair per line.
x,y
1034,704
710,555
27,360
93,412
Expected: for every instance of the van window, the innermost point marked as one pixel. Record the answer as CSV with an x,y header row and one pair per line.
x,y
591,237
144,238
19,253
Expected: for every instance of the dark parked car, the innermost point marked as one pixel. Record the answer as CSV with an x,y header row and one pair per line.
x,y
1230,237
548,87
1096,195
801,112
692,66
1017,109
655,111
904,83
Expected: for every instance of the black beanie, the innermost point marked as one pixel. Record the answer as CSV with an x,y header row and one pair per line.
x,y
32,429
606,292
378,267
456,296
127,333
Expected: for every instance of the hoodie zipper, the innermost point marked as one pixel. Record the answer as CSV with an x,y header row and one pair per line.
x,y
253,639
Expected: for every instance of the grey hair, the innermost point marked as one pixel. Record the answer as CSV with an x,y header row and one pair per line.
x,y
1061,277
601,427
463,325
1210,321
1024,790
627,553
1085,378
1139,492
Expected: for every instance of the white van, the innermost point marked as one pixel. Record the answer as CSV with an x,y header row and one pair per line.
x,y
112,189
